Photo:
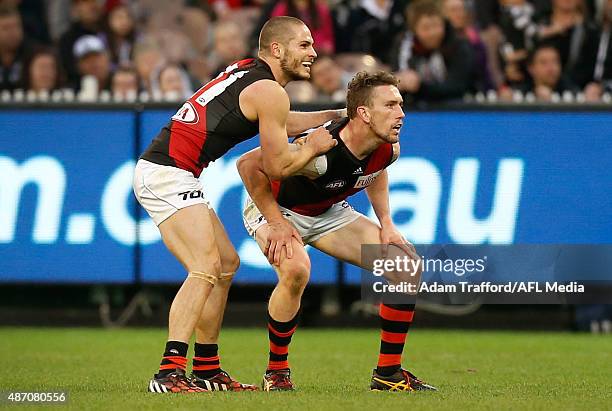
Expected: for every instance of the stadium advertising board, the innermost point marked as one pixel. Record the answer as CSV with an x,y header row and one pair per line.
x,y
463,177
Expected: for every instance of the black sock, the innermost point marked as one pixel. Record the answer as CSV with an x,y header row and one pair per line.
x,y
175,356
280,334
206,360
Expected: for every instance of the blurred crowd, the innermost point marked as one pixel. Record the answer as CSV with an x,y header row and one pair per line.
x,y
441,50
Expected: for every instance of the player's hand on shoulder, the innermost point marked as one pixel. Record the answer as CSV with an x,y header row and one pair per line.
x,y
320,141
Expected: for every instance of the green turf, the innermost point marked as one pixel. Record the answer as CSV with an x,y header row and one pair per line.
x,y
109,369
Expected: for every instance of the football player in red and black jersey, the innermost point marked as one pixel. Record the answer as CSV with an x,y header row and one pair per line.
x,y
246,99
314,204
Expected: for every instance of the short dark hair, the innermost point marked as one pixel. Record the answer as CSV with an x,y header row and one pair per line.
x,y
9,11
537,48
361,86
277,30
420,8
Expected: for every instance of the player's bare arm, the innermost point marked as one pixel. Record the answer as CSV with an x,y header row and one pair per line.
x,y
300,121
268,102
378,194
257,184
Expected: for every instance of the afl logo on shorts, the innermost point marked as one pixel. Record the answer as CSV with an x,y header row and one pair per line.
x,y
336,184
186,114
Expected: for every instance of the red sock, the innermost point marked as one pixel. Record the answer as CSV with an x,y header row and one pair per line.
x,y
395,322
280,334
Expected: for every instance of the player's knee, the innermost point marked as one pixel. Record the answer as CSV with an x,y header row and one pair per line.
x,y
411,272
231,264
295,274
210,268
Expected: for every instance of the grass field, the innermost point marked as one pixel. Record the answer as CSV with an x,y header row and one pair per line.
x,y
110,369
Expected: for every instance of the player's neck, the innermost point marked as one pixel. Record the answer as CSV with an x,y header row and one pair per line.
x,y
277,71
358,140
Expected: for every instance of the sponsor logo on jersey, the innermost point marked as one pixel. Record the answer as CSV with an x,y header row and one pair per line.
x,y
336,184
365,181
358,171
186,114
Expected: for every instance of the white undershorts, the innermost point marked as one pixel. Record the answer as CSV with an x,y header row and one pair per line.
x,y
163,190
310,228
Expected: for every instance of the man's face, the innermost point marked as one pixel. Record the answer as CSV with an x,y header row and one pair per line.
x,y
454,10
170,80
95,64
430,31
386,113
230,43
87,11
565,5
545,68
43,72
297,56
326,75
11,32
124,82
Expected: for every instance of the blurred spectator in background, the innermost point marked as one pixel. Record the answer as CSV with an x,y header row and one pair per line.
x,y
147,58
42,71
86,16
569,29
518,29
92,59
229,45
317,17
171,81
432,63
301,92
602,73
124,83
120,34
368,26
14,48
329,80
544,66
457,15
34,18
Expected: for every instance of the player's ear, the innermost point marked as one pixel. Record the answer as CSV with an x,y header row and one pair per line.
x,y
364,114
276,48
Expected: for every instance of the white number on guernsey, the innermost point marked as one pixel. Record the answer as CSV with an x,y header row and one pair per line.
x,y
186,114
218,88
365,181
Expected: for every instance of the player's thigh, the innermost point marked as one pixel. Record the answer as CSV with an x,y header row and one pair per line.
x,y
189,234
296,268
230,261
345,243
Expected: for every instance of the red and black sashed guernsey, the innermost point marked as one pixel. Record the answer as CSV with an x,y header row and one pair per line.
x,y
210,122
345,176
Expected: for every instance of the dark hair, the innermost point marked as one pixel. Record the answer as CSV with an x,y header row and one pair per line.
x,y
421,8
27,66
7,11
276,30
112,40
361,86
313,12
540,46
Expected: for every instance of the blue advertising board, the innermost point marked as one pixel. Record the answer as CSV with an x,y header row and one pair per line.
x,y
67,213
